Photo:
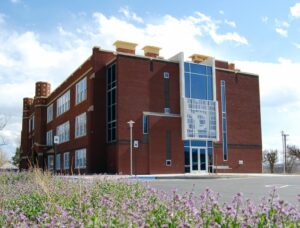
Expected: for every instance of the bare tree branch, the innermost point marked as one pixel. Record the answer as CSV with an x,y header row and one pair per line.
x,y
3,157
3,123
293,151
270,157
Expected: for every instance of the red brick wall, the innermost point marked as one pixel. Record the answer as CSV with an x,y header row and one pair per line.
x,y
157,145
97,93
140,89
243,122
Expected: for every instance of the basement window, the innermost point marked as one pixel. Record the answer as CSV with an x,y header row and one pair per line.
x,y
168,162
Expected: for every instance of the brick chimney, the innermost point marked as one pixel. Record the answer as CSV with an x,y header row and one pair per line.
x,y
27,103
126,47
231,66
197,58
151,51
42,89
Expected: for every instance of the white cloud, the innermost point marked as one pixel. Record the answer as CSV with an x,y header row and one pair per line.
x,y
295,10
297,45
284,60
285,24
63,32
265,19
15,1
282,32
230,23
131,15
221,12
280,24
235,37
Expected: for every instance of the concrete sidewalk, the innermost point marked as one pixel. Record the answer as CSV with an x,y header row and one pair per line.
x,y
207,176
173,176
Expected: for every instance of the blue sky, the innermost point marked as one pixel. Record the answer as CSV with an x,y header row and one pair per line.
x,y
47,40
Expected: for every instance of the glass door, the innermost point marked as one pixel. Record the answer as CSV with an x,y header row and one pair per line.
x,y
198,159
195,159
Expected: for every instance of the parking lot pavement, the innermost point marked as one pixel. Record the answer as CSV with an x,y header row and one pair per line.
x,y
252,187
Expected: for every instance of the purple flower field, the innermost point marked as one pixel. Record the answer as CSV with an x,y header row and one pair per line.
x,y
39,200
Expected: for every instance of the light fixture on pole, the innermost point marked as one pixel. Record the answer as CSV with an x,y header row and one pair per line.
x,y
131,122
55,142
284,150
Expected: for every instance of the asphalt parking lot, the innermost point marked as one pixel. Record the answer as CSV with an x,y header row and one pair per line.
x,y
253,188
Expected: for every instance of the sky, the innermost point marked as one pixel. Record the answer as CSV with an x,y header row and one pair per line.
x,y
47,40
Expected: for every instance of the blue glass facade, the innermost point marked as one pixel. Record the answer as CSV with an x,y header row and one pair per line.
x,y
198,81
200,114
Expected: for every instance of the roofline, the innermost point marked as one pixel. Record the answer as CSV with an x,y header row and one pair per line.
x,y
238,72
143,57
70,75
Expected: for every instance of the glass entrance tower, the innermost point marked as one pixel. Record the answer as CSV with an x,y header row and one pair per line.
x,y
199,112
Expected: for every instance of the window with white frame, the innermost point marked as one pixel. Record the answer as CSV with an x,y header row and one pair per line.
x,y
80,125
31,123
66,160
81,91
50,162
63,103
49,138
57,162
49,113
63,132
80,158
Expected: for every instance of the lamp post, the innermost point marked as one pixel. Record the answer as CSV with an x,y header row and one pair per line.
x,y
284,150
55,141
131,122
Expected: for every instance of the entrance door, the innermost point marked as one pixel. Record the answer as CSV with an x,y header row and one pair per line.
x,y
198,159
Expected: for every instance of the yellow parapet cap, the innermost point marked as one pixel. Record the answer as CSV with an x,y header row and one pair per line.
x,y
197,58
151,50
125,45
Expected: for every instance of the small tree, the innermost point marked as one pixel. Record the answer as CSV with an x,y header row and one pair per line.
x,y
270,157
293,151
16,158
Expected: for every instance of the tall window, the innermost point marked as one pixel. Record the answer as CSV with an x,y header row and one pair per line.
x,y
66,160
111,103
80,159
224,120
198,81
63,132
49,138
81,91
63,103
49,113
31,123
50,162
145,124
80,125
199,104
57,162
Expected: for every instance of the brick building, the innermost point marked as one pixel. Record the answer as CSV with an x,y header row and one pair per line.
x,y
197,116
